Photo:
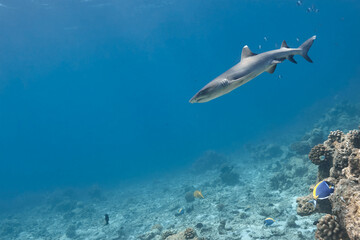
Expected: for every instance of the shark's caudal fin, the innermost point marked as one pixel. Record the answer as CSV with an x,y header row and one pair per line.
x,y
305,48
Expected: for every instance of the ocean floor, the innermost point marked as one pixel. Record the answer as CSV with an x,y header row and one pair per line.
x,y
240,192
147,210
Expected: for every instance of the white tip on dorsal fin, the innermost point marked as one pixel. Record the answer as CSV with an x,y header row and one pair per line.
x,y
284,44
246,52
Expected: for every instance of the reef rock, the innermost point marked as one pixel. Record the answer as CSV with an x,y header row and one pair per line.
x,y
189,233
338,159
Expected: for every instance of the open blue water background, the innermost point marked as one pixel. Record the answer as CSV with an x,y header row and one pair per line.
x,y
97,91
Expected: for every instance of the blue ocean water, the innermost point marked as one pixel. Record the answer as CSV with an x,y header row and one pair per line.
x,y
97,91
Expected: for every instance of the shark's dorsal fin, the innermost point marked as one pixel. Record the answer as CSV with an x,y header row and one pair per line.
x,y
271,69
246,52
284,44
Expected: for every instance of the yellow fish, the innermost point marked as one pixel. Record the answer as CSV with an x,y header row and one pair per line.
x,y
198,194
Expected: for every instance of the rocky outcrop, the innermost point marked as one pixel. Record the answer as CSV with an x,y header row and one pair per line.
x,y
338,159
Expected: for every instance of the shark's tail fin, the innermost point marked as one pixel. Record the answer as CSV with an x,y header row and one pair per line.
x,y
305,48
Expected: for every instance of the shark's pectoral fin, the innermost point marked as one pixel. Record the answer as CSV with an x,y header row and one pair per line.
x,y
291,59
271,69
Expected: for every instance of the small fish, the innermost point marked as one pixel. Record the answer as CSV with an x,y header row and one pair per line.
x,y
260,46
265,39
198,194
180,212
268,221
106,219
322,190
299,3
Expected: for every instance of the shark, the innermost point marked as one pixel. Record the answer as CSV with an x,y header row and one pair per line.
x,y
250,66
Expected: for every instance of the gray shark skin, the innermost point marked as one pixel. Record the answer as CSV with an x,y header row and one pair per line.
x,y
250,66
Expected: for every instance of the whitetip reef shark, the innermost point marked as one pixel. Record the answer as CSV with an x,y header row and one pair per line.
x,y
250,66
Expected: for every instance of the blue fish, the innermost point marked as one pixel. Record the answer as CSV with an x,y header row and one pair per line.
x,y
180,212
322,190
268,221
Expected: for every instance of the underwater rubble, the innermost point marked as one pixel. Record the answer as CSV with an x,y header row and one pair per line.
x,y
338,161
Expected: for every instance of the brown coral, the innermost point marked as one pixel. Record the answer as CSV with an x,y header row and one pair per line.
x,y
189,233
322,156
335,136
354,166
319,154
304,207
329,229
355,138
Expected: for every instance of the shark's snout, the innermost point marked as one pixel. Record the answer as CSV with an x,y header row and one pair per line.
x,y
192,100
196,98
207,93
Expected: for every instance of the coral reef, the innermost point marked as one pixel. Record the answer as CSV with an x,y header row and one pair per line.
x,y
329,229
189,233
304,207
346,205
338,159
321,155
